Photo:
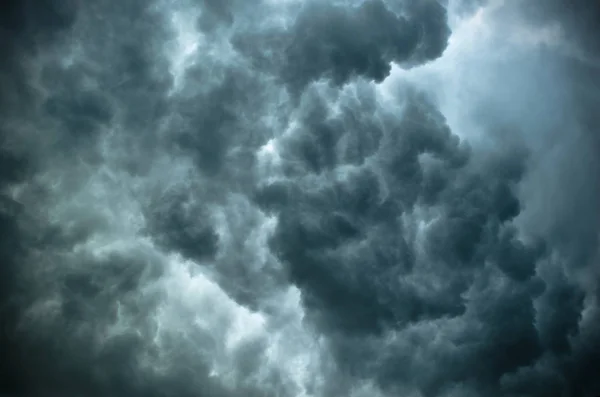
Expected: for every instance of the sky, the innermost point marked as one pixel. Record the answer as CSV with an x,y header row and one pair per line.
x,y
299,198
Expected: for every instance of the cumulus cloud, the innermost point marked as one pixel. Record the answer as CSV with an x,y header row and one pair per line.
x,y
298,198
342,42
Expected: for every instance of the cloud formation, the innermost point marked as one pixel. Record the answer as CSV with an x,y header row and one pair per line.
x,y
341,42
298,198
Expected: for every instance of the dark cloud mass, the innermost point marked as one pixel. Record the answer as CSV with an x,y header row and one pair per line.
x,y
341,42
299,198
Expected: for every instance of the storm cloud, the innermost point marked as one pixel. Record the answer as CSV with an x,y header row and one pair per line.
x,y
299,198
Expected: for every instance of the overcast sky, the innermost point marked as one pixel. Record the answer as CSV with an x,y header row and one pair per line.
x,y
299,198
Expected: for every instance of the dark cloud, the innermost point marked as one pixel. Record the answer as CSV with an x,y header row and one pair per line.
x,y
183,225
238,204
11,249
208,124
555,110
69,118
348,246
26,25
339,43
26,28
214,13
342,42
560,313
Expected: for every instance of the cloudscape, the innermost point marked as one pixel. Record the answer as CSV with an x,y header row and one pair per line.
x,y
300,198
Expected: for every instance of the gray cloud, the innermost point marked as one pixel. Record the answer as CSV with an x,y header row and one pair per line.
x,y
212,198
577,19
340,43
369,268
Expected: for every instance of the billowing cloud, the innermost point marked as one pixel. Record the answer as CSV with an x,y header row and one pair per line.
x,y
299,198
341,42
